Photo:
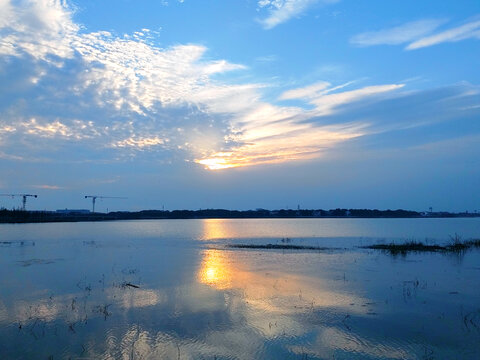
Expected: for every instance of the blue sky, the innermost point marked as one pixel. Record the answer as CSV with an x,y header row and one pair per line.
x,y
240,104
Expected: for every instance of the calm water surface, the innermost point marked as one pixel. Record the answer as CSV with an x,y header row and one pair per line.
x,y
171,289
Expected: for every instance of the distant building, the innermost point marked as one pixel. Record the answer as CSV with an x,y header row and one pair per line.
x,y
73,211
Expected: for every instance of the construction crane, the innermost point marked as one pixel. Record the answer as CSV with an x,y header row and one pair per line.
x,y
24,198
95,197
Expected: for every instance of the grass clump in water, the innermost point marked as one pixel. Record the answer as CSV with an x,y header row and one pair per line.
x,y
276,247
456,245
410,246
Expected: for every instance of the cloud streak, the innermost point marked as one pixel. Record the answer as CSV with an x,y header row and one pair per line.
x,y
280,11
272,134
327,99
397,35
470,30
419,34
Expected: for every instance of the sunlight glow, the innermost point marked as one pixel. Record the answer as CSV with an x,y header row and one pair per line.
x,y
291,144
218,162
268,292
214,270
217,229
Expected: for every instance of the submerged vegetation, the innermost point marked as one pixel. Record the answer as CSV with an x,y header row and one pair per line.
x,y
277,247
456,245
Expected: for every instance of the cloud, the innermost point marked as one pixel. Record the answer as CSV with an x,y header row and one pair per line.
x,y
419,34
136,142
267,58
326,104
470,30
40,28
76,96
306,92
77,129
98,88
271,134
48,187
124,94
397,35
283,10
323,96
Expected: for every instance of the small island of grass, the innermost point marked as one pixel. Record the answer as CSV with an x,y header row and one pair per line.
x,y
417,246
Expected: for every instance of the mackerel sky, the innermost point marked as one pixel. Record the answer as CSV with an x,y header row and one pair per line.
x,y
240,104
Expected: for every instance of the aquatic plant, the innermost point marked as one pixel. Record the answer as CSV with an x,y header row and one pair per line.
x,y
456,245
277,247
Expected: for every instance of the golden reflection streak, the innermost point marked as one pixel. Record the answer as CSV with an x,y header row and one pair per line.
x,y
270,292
214,271
217,229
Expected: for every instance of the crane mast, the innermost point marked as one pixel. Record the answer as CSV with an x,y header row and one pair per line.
x,y
95,197
24,198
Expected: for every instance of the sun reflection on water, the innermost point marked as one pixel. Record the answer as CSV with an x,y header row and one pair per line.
x,y
214,270
217,229
277,291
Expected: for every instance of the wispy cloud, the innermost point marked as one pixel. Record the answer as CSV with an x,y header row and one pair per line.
x,y
326,98
267,58
272,134
399,34
470,30
48,187
280,11
419,34
306,92
326,104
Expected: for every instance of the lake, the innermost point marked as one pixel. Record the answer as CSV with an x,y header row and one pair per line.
x,y
175,289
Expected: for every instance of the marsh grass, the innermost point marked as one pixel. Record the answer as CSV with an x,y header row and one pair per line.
x,y
277,247
411,246
456,245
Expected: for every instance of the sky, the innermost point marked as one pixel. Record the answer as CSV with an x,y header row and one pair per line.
x,y
189,104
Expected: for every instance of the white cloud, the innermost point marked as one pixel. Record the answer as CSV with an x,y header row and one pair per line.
x,y
39,28
283,10
419,34
5,11
139,142
103,79
397,35
326,104
470,30
100,97
306,92
130,95
325,98
268,134
77,130
48,187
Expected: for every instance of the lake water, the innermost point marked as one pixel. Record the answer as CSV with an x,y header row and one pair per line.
x,y
173,289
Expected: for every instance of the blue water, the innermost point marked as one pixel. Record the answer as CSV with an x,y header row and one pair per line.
x,y
68,291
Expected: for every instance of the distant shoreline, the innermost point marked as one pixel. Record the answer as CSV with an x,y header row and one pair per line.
x,y
19,216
